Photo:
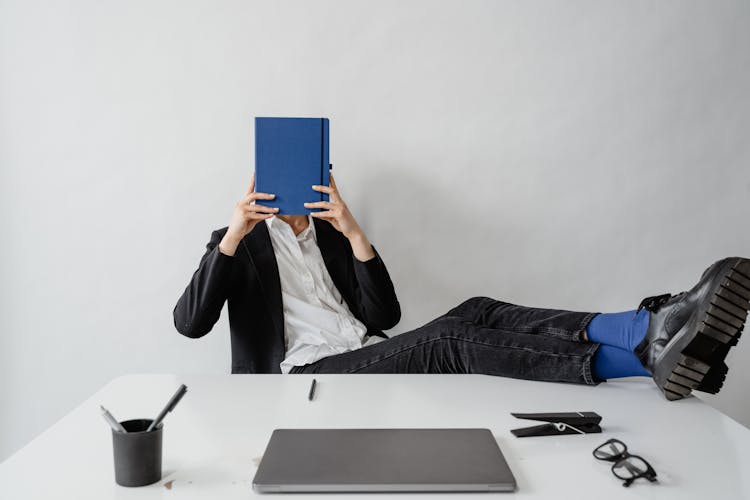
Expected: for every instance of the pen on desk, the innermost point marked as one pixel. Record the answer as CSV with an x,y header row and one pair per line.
x,y
312,391
170,406
112,421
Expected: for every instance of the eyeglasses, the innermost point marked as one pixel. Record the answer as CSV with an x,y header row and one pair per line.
x,y
626,466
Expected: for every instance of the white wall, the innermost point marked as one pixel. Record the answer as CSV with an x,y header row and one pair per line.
x,y
579,154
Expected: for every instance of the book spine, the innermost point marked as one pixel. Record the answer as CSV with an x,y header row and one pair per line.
x,y
257,144
324,160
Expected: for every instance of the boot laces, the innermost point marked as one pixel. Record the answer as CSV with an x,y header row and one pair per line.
x,y
653,304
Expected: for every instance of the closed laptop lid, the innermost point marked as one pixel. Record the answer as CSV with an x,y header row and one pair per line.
x,y
315,460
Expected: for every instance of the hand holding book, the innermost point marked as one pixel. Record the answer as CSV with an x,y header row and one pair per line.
x,y
244,218
337,213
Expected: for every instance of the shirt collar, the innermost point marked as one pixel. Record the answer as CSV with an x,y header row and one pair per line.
x,y
276,224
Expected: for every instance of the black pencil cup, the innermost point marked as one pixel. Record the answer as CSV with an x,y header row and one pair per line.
x,y
137,453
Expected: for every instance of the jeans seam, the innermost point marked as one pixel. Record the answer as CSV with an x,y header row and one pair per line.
x,y
586,368
560,333
585,321
388,356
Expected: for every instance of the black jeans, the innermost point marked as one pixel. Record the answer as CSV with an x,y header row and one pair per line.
x,y
481,335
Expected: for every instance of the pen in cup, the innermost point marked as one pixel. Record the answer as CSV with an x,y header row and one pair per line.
x,y
112,421
170,406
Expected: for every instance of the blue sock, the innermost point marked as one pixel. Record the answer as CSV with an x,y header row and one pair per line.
x,y
624,330
613,362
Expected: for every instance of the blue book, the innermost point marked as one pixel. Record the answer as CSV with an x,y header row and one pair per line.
x,y
291,154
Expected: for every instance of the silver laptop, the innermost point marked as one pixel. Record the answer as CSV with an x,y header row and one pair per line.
x,y
356,460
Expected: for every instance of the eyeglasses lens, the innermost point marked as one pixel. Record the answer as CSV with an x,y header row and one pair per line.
x,y
630,468
609,450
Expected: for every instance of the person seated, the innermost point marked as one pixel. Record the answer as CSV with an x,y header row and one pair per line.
x,y
311,294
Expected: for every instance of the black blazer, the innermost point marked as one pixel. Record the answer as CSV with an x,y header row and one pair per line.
x,y
249,281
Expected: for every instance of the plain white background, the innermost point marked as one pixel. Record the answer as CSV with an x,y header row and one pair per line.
x,y
579,154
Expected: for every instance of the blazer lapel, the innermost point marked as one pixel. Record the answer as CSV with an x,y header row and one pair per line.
x,y
260,253
330,248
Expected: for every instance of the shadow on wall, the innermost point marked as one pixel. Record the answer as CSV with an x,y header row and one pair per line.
x,y
438,249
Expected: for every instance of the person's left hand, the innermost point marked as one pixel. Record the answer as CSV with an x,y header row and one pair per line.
x,y
336,212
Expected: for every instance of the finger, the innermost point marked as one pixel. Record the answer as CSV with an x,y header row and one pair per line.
x,y
259,216
261,208
321,204
252,214
324,189
259,196
251,187
335,187
245,200
324,215
248,198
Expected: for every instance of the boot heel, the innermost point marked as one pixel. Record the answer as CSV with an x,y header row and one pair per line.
x,y
724,319
714,379
701,364
686,376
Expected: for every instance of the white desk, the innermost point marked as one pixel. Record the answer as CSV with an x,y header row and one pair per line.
x,y
220,429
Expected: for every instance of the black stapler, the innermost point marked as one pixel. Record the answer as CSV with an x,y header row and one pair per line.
x,y
586,422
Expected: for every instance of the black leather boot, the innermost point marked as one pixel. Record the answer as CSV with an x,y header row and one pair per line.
x,y
690,334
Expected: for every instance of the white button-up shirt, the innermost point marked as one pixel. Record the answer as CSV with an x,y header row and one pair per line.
x,y
317,320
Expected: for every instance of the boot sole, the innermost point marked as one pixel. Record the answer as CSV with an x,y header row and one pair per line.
x,y
700,365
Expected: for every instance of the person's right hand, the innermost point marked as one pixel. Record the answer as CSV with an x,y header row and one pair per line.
x,y
244,218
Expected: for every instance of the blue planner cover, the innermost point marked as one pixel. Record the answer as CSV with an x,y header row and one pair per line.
x,y
291,154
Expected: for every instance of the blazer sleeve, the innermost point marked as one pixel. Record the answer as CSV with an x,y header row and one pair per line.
x,y
200,305
375,293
